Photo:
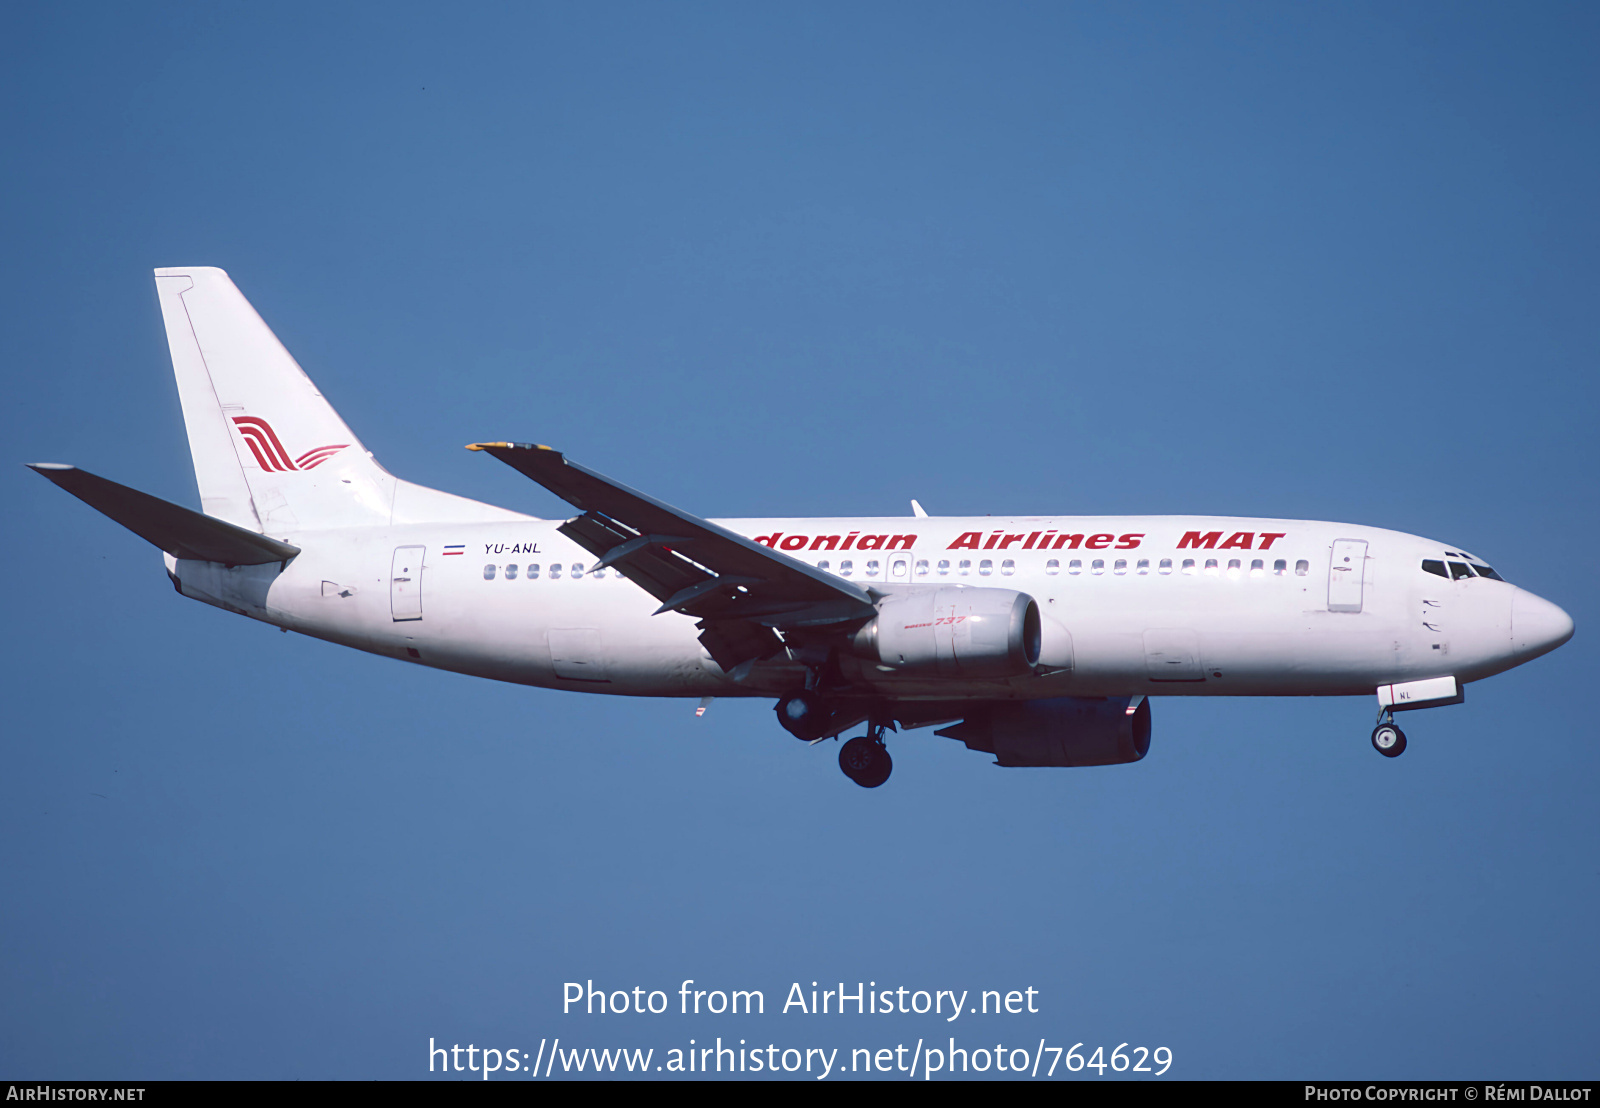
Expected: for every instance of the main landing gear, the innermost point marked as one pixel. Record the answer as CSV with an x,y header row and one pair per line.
x,y
805,715
865,760
810,716
1387,739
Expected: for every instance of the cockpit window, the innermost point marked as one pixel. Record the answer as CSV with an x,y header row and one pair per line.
x,y
1458,570
1436,568
1485,571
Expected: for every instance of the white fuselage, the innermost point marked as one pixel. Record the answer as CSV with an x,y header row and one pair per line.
x,y
1263,607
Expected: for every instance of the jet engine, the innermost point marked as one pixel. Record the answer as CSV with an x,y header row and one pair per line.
x,y
1062,731
954,632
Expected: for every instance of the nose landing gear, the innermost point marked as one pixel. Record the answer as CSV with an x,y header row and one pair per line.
x,y
1387,739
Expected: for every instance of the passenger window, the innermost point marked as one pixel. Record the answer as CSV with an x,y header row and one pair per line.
x,y
964,566
577,570
1302,567
1097,566
1258,568
511,572
846,568
555,571
1053,566
1211,566
1119,566
1233,567
1143,566
533,571
985,567
1008,567
922,567
872,567
1075,566
1280,567
823,565
1166,565
1458,570
944,566
488,572
1188,565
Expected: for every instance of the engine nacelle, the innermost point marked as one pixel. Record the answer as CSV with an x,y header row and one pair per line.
x,y
1064,731
954,632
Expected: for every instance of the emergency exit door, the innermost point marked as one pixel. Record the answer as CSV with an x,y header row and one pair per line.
x,y
898,566
405,583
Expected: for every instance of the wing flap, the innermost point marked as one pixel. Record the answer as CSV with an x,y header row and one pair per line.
x,y
667,550
739,590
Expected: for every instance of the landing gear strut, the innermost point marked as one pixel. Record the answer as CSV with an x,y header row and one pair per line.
x,y
1387,739
865,760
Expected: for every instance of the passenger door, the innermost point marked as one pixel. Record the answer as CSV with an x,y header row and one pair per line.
x,y
1347,571
405,583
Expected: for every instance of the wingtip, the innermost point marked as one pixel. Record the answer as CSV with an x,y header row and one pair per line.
x,y
40,467
507,446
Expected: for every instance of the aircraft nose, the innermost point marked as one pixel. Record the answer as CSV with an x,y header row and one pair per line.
x,y
1537,626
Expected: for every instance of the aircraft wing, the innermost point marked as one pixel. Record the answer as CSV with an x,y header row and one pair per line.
x,y
738,589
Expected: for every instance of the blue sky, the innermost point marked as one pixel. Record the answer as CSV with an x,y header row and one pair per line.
x,y
1329,262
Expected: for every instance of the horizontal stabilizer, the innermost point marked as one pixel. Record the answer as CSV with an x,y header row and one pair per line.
x,y
179,531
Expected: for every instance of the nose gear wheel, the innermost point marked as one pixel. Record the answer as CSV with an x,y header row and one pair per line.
x,y
1388,740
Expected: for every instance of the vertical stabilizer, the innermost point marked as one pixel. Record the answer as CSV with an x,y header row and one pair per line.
x,y
269,452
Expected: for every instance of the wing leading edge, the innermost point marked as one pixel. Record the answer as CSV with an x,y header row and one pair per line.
x,y
740,591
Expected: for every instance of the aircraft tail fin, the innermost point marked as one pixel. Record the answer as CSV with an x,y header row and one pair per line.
x,y
270,454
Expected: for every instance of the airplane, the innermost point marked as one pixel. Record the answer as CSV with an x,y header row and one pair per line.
x,y
1039,640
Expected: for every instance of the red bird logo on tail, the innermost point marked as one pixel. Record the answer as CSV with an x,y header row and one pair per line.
x,y
269,451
